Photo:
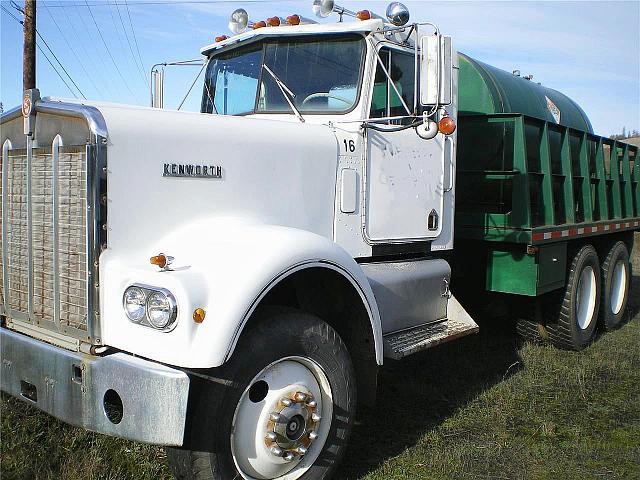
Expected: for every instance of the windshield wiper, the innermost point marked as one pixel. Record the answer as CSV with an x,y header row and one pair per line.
x,y
286,92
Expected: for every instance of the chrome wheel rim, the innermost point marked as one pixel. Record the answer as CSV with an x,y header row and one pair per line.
x,y
280,433
586,298
618,287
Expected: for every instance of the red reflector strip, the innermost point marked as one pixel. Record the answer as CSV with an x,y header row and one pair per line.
x,y
575,232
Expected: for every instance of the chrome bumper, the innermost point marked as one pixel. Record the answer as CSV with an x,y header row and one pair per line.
x,y
150,398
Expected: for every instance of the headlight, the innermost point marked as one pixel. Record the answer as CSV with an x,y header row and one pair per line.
x,y
150,306
159,310
134,302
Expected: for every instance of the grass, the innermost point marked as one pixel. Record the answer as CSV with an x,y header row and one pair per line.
x,y
483,407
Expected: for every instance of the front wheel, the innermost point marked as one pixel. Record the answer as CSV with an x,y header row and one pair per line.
x,y
290,411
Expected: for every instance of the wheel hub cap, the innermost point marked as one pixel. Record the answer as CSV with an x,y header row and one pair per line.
x,y
291,428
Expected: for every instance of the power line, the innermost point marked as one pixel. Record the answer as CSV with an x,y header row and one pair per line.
x,y
108,51
41,51
89,55
70,47
52,53
168,2
136,40
118,35
133,55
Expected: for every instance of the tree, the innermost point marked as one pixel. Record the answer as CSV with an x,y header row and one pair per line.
x,y
625,134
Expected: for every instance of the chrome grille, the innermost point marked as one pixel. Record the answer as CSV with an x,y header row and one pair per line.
x,y
50,223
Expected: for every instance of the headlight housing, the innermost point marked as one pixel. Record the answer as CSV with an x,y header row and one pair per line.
x,y
135,303
150,306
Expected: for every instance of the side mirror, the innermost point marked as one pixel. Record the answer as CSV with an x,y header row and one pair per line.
x,y
435,70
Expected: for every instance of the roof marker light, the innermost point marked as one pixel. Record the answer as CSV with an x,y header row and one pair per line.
x,y
221,38
260,24
296,19
363,15
274,21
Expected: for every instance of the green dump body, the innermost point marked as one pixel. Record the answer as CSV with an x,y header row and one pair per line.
x,y
531,178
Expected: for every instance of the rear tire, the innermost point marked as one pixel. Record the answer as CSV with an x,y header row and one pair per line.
x,y
531,331
616,280
286,354
577,309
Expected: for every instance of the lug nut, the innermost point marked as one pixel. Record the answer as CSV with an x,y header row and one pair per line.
x,y
315,417
271,436
313,435
286,402
289,456
302,450
312,404
275,417
300,397
277,451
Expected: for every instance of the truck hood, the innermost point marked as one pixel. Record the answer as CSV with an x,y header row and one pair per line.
x,y
270,172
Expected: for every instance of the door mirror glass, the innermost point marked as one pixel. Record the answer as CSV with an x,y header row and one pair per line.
x,y
435,70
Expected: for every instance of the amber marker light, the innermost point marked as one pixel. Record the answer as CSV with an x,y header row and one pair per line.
x,y
159,260
447,125
198,315
363,15
221,38
293,19
259,24
273,21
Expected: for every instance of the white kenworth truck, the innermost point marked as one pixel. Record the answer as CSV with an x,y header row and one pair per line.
x,y
227,283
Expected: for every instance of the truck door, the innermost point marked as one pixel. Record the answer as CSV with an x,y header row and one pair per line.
x,y
405,172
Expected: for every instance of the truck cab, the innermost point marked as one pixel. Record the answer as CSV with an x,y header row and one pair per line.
x,y
228,282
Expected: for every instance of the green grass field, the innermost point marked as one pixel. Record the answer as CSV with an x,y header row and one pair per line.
x,y
482,407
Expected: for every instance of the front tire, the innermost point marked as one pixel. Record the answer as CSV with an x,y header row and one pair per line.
x,y
289,412
577,310
616,279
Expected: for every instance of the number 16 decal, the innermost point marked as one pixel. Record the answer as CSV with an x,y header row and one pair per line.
x,y
349,146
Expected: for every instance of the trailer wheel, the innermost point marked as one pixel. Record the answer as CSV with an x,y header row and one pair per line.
x,y
289,412
578,307
531,331
616,278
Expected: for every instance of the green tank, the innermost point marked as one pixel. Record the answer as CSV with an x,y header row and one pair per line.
x,y
484,89
533,183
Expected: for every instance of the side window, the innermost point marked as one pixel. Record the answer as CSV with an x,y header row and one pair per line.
x,y
385,101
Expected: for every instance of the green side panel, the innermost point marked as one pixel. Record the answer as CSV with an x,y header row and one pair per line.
x,y
552,267
484,89
513,271
509,271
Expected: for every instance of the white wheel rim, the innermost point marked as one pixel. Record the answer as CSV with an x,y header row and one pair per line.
x,y
586,298
252,449
618,287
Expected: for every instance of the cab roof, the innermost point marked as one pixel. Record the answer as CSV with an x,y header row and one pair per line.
x,y
364,26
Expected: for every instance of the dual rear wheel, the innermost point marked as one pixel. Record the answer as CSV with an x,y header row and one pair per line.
x,y
594,294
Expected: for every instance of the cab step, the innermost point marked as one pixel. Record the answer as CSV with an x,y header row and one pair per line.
x,y
407,342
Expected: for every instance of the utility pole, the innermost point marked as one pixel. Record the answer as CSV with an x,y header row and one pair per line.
x,y
29,52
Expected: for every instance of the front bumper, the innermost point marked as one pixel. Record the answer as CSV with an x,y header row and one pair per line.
x,y
72,387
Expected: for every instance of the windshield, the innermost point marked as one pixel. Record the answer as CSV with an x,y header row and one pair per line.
x,y
322,74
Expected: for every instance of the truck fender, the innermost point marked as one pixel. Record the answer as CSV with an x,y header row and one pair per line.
x,y
225,267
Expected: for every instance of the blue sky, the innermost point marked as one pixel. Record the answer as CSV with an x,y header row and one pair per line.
x,y
587,50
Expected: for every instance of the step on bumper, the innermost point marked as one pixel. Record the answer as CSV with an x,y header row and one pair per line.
x,y
118,394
